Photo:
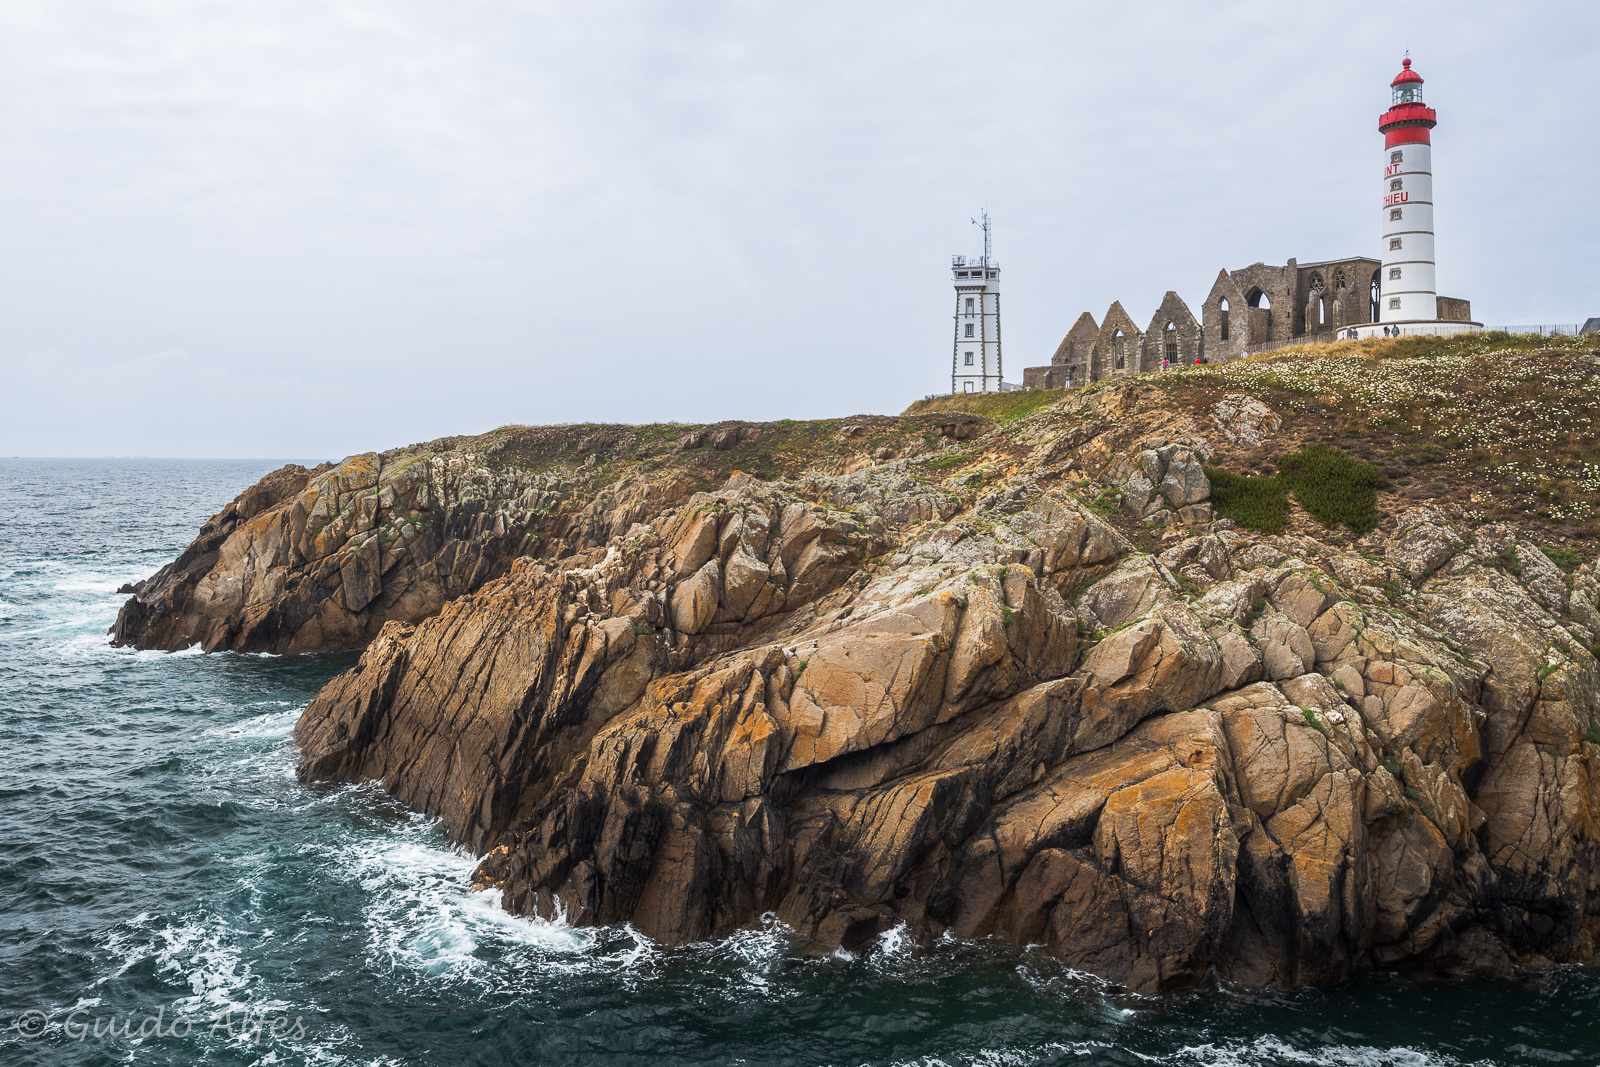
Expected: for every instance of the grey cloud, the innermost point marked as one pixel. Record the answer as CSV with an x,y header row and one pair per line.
x,y
299,228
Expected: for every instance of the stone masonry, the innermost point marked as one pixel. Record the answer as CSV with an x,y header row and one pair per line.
x,y
1246,308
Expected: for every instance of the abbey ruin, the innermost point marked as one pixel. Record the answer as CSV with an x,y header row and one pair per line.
x,y
1248,310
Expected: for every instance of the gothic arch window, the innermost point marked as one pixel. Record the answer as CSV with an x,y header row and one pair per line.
x,y
1169,349
1377,289
1116,348
1339,282
1316,306
1222,318
1258,299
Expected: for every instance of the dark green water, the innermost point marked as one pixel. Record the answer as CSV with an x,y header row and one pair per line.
x,y
157,854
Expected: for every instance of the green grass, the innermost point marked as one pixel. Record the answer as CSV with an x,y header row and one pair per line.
x,y
1002,407
941,463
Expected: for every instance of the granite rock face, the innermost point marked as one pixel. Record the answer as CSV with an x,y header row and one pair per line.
x,y
310,561
947,691
1007,723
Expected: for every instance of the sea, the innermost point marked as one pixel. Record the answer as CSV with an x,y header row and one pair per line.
x,y
170,894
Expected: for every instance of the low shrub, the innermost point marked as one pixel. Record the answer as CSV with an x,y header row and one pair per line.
x,y
1254,503
1565,558
1334,486
1505,560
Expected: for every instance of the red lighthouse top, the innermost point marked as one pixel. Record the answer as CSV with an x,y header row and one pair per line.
x,y
1408,120
1405,75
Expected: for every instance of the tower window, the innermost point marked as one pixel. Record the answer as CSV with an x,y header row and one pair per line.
x,y
1394,244
1395,157
1394,303
969,305
1394,215
1222,318
969,329
1394,273
969,359
1395,185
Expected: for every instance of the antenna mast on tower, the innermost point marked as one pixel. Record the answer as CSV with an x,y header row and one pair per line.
x,y
985,227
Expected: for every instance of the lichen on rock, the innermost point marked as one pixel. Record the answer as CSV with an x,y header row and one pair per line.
x,y
983,679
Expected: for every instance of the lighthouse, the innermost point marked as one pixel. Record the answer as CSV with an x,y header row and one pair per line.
x,y
975,364
1404,287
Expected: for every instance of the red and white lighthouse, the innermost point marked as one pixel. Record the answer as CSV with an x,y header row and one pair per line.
x,y
1408,292
1405,287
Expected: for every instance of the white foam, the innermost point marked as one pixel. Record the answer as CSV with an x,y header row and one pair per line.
x,y
425,918
204,952
275,724
1276,1050
1050,1051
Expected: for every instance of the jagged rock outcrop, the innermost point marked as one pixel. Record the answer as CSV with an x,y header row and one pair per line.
x,y
319,560
1010,680
1225,760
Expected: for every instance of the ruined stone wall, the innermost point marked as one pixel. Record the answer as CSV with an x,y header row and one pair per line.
x,y
1272,294
1179,344
1255,305
1117,348
1342,288
1051,377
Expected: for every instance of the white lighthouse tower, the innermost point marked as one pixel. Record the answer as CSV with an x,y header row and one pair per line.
x,y
1407,293
975,365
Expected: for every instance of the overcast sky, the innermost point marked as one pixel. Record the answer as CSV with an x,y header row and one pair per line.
x,y
314,227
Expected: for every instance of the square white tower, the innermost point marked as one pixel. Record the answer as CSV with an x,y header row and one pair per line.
x,y
975,366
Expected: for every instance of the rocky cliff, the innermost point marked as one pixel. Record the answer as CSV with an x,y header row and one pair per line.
x,y
1005,676
319,560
